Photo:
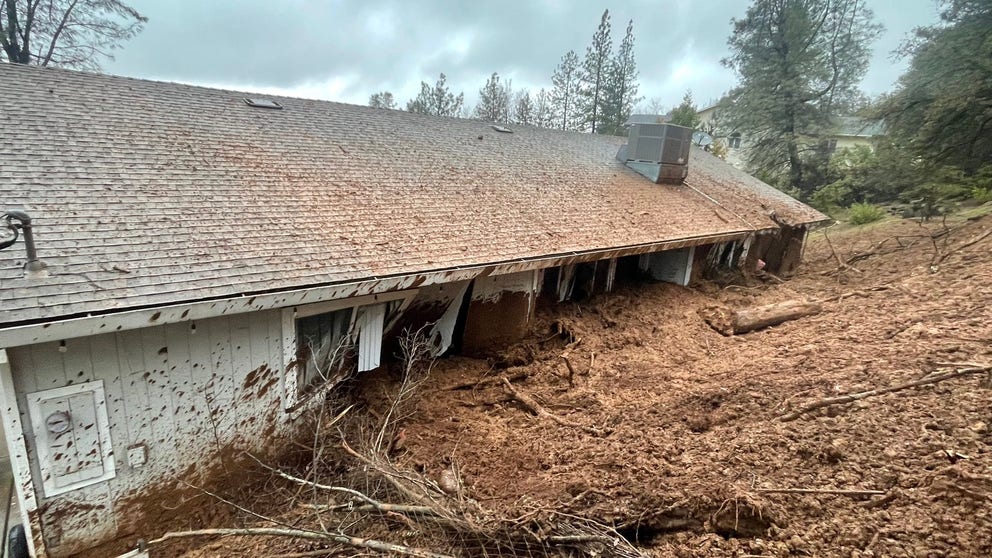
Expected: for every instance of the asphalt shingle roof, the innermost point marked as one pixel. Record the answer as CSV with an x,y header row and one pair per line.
x,y
147,193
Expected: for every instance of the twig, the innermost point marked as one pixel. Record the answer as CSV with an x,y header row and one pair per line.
x,y
839,492
571,370
371,504
534,407
971,369
342,538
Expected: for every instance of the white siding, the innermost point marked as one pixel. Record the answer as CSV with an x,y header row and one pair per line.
x,y
185,395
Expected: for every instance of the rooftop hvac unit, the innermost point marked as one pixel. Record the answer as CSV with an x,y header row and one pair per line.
x,y
658,151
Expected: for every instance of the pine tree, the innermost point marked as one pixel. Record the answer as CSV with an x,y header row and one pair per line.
x,y
942,108
797,61
543,116
437,100
620,91
494,100
523,109
382,99
595,69
686,114
564,97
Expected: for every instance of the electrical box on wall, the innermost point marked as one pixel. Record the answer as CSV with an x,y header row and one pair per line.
x,y
72,435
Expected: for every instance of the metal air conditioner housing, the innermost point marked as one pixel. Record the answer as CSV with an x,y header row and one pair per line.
x,y
659,151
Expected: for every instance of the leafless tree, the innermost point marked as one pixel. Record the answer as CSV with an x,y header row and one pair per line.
x,y
66,33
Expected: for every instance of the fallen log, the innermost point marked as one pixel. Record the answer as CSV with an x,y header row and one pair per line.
x,y
851,397
733,322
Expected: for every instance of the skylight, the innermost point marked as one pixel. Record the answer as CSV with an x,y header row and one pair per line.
x,y
262,103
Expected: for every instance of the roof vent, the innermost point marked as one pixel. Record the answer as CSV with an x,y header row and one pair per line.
x,y
658,151
262,103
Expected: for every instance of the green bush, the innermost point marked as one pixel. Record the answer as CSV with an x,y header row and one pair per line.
x,y
862,213
981,195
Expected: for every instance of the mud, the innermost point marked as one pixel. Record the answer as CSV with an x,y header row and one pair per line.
x,y
694,416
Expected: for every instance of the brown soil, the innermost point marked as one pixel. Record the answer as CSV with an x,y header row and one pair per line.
x,y
692,415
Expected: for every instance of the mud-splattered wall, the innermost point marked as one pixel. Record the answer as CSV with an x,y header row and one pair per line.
x,y
182,397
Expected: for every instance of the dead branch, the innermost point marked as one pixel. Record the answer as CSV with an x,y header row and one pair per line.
x,y
369,503
836,491
938,258
849,294
970,369
534,407
840,265
356,542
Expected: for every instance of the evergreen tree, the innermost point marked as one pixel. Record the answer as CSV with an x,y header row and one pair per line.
x,y
621,86
543,115
437,100
382,99
523,109
686,114
942,108
494,100
564,97
595,69
797,61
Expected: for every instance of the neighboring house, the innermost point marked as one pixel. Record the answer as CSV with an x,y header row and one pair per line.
x,y
206,257
846,131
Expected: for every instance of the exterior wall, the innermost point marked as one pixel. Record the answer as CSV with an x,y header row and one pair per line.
x,y
191,398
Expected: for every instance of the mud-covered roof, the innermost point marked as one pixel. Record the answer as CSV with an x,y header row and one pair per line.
x,y
146,193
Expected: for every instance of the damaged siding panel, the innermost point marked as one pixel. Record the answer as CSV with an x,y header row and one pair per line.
x,y
443,331
370,328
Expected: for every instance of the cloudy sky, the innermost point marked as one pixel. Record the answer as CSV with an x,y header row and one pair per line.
x,y
344,50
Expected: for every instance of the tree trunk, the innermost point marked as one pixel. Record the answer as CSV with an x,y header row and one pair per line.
x,y
732,322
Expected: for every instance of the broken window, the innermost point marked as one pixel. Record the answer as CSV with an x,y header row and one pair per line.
x,y
325,349
734,141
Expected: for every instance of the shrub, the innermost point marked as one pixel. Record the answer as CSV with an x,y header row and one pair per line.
x,y
862,213
981,195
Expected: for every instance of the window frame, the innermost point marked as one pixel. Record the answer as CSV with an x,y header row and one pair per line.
x,y
293,401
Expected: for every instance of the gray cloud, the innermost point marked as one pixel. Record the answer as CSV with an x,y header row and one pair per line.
x,y
347,49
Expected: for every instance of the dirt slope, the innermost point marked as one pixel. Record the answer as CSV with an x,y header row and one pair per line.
x,y
691,416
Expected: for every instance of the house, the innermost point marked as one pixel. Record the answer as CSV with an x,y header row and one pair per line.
x,y
844,132
198,256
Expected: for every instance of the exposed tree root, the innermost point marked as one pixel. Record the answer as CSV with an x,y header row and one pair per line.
x,y
534,407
